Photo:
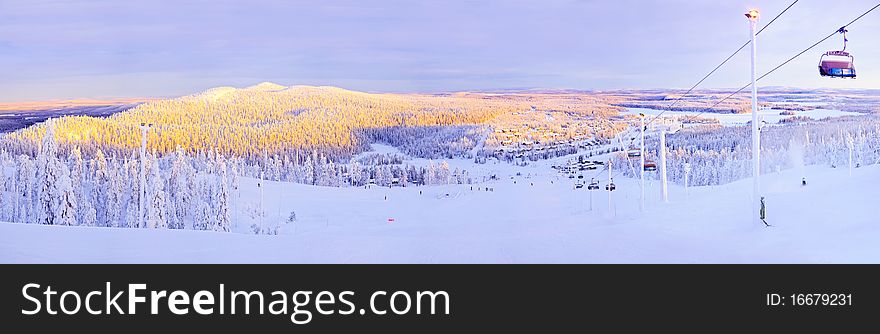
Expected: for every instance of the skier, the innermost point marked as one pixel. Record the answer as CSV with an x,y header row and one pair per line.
x,y
763,213
803,182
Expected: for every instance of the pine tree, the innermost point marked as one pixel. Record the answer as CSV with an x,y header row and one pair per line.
x,y
131,216
321,171
75,160
100,187
116,197
404,178
431,177
89,214
5,208
443,174
379,176
48,170
156,208
222,220
309,171
64,209
26,181
180,189
203,218
355,174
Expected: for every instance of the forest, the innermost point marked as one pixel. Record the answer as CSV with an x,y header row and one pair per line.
x,y
720,155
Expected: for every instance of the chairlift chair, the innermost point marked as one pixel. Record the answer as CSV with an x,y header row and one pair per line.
x,y
610,186
838,64
593,185
634,153
650,166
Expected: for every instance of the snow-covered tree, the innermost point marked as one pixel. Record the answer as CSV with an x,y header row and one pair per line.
x,y
65,208
180,190
26,182
48,177
101,183
77,179
156,216
89,214
354,174
443,174
5,208
222,221
203,217
115,211
431,177
308,171
404,178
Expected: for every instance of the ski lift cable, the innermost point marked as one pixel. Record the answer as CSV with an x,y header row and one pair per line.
x,y
839,30
722,63
836,31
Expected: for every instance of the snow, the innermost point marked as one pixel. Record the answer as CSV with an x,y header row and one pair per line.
x,y
771,116
531,221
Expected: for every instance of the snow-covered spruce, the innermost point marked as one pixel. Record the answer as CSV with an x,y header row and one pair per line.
x,y
60,185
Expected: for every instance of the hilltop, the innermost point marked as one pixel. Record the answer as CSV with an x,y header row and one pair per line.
x,y
268,117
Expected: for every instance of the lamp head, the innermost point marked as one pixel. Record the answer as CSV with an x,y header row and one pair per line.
x,y
753,14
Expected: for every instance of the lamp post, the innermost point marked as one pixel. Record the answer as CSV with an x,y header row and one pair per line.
x,y
753,16
642,162
610,183
663,166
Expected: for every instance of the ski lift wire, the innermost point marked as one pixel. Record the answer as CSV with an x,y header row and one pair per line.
x,y
836,31
721,64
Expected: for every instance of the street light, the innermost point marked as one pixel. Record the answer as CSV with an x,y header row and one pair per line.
x,y
753,16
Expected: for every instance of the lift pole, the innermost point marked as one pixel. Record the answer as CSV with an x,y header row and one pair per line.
x,y
663,166
642,162
591,195
753,16
610,161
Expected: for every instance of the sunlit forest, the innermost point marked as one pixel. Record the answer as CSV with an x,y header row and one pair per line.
x,y
265,119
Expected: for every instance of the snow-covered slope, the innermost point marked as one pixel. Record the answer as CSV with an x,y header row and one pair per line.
x,y
533,220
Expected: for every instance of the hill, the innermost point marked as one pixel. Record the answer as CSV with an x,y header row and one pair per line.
x,y
264,118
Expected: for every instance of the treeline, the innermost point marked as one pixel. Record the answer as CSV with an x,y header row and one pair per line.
x,y
178,191
723,155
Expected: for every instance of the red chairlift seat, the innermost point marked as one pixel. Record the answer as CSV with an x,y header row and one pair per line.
x,y
837,64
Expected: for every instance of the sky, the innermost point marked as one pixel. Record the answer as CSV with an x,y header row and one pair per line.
x,y
63,49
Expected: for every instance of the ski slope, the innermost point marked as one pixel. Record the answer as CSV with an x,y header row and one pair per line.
x,y
540,218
